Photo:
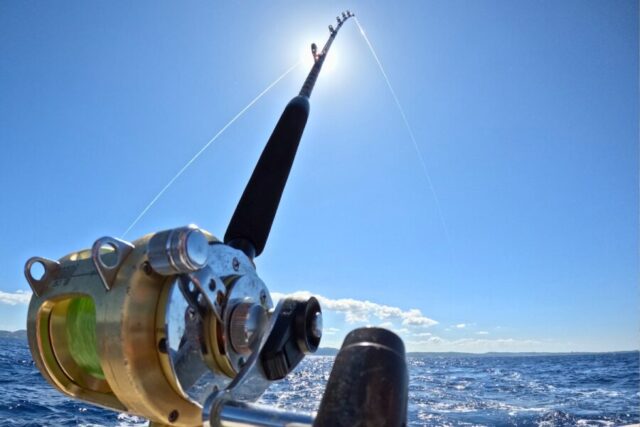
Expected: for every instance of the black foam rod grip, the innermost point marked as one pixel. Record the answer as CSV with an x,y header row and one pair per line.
x,y
368,385
251,222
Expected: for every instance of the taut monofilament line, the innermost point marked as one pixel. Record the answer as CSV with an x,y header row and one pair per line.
x,y
412,136
187,165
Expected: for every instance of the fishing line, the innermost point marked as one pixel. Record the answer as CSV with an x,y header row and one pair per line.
x,y
202,150
409,130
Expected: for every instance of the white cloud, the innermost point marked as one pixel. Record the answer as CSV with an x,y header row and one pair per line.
x,y
482,333
360,311
422,334
499,342
15,298
461,325
427,340
473,345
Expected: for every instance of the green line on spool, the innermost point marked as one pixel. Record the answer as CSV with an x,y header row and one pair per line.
x,y
81,335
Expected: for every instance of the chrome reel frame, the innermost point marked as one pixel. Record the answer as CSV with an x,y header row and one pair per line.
x,y
201,302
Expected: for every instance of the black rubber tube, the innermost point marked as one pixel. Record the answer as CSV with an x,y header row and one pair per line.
x,y
251,222
368,385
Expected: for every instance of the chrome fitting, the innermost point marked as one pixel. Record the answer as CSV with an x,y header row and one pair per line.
x,y
179,250
246,323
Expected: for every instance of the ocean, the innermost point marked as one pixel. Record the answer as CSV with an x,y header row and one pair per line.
x,y
546,390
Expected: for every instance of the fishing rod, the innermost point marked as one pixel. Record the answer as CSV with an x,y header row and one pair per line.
x,y
177,326
251,222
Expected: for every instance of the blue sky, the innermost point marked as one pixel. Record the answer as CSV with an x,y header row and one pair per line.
x,y
526,114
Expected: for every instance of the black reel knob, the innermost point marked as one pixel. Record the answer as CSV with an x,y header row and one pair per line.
x,y
297,332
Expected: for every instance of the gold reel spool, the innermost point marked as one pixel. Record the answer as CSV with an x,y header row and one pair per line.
x,y
104,325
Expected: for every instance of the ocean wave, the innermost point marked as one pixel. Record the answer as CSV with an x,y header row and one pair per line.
x,y
601,390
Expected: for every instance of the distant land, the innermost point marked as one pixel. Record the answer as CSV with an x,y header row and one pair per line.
x,y
325,351
18,335
513,354
330,351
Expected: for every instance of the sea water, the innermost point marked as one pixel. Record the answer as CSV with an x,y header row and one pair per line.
x,y
546,390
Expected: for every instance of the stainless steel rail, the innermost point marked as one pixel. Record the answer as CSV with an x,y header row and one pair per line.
x,y
242,414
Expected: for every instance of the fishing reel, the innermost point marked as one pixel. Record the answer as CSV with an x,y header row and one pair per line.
x,y
178,327
156,326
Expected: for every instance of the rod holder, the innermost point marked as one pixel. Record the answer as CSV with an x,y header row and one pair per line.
x,y
368,385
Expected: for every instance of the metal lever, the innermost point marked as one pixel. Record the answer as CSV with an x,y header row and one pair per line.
x,y
241,414
293,331
368,386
